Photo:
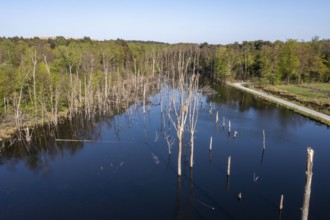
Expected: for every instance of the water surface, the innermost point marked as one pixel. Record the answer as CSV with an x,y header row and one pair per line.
x,y
126,172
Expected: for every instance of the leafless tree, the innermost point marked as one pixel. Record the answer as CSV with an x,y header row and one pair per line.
x,y
193,109
17,106
185,95
193,117
34,61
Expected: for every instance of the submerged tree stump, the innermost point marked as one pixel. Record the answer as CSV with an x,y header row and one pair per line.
x,y
235,134
211,143
229,126
281,203
263,139
217,118
228,166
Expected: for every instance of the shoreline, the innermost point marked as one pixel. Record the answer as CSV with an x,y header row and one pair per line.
x,y
8,129
310,113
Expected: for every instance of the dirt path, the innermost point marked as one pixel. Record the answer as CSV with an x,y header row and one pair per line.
x,y
303,110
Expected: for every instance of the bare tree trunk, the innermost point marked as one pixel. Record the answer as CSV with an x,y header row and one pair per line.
x,y
57,99
50,88
193,110
179,65
309,174
34,61
192,148
193,117
17,105
144,99
180,153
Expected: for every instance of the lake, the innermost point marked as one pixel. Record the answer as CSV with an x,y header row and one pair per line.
x,y
119,167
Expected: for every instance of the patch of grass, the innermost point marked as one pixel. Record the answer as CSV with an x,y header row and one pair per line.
x,y
315,95
325,87
319,91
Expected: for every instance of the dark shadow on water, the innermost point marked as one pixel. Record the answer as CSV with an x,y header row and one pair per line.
x,y
280,214
262,157
46,143
178,204
228,183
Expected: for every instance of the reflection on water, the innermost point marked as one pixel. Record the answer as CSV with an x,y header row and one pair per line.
x,y
122,167
44,146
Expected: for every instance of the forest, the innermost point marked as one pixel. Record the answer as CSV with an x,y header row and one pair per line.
x,y
280,62
44,79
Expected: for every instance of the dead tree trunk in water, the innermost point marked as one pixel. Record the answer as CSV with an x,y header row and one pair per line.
x,y
228,166
211,143
193,117
281,203
180,66
263,139
17,105
193,110
309,174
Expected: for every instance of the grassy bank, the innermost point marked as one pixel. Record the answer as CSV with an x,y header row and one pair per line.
x,y
286,103
315,96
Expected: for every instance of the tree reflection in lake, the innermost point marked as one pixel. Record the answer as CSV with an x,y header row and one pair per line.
x,y
44,144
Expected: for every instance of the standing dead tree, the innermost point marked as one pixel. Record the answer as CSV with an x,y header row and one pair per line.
x,y
193,109
185,91
193,117
17,106
34,61
309,174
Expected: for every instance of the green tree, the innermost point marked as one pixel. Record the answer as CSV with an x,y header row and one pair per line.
x,y
289,61
269,63
223,63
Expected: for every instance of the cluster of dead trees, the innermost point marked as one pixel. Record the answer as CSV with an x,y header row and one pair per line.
x,y
99,78
39,84
182,108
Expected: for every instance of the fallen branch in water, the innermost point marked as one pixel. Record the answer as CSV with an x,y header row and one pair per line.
x,y
73,140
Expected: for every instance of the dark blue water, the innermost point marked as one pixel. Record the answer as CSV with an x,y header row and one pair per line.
x,y
126,172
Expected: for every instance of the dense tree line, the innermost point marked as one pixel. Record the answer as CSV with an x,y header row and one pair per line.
x,y
39,78
264,62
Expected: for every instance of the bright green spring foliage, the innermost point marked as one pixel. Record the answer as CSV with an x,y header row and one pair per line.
x,y
274,63
223,63
58,74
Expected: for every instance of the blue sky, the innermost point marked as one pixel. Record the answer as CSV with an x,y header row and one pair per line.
x,y
172,21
